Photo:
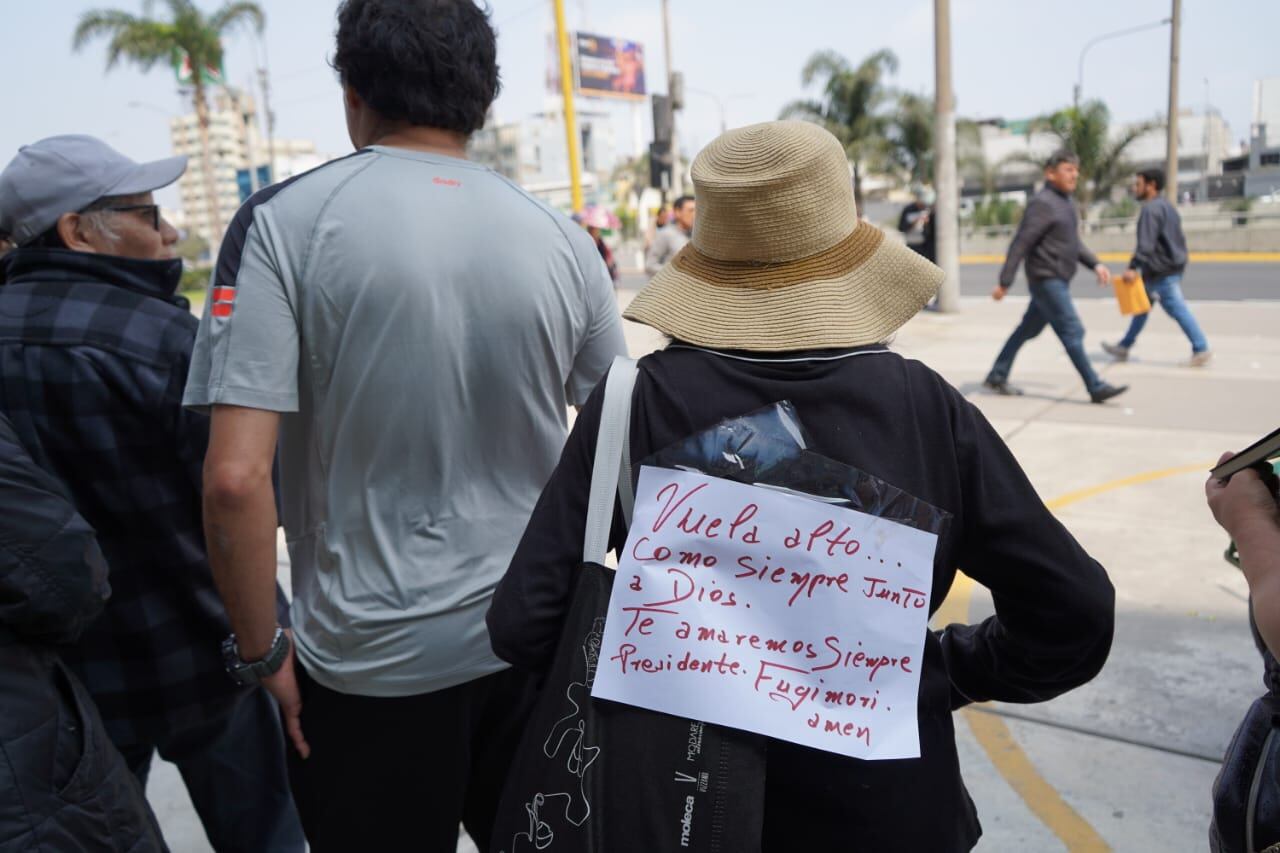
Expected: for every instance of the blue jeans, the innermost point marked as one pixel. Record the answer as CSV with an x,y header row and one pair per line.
x,y
1168,292
235,772
1050,305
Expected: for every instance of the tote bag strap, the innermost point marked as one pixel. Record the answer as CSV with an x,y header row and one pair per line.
x,y
611,473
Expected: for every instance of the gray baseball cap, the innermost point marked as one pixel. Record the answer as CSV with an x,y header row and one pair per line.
x,y
66,174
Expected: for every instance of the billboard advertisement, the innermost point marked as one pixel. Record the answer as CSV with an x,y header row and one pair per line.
x,y
610,67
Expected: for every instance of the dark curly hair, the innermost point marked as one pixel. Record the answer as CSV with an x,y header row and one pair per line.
x,y
432,63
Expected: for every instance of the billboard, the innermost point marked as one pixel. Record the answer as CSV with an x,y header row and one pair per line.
x,y
610,67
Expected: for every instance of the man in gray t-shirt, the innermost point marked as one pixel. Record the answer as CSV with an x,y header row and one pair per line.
x,y
412,326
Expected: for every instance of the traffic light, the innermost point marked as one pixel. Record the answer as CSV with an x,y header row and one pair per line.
x,y
660,164
663,120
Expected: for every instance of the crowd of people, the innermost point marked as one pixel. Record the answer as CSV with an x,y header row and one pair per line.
x,y
383,367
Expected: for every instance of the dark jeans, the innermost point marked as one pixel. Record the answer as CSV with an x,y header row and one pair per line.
x,y
401,773
1168,292
1050,305
235,772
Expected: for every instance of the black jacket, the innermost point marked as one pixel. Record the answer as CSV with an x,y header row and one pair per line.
x,y
1162,248
63,786
1049,239
898,420
94,353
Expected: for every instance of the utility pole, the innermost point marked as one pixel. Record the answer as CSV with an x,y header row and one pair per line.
x,y
946,212
264,82
570,116
1171,164
677,174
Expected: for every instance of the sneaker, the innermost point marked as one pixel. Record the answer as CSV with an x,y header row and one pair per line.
x,y
1001,387
1116,351
1106,391
1200,359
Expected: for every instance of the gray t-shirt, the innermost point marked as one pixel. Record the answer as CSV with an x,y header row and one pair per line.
x,y
422,324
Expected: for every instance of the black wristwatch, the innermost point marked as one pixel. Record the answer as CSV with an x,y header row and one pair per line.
x,y
252,672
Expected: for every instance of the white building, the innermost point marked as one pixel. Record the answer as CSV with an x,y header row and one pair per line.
x,y
1204,142
1266,111
238,156
533,153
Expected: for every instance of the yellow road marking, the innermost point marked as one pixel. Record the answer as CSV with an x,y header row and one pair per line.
x,y
1114,257
993,734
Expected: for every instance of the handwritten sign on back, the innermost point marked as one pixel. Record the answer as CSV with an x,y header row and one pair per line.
x,y
770,612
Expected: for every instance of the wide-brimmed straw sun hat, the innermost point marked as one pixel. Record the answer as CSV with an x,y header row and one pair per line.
x,y
779,259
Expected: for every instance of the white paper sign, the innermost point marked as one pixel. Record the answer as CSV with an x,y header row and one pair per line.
x,y
770,612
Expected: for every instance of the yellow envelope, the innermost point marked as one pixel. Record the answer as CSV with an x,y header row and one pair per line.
x,y
1132,296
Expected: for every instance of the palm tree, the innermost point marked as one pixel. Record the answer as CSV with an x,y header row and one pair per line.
x,y
909,137
146,41
909,141
851,105
1086,131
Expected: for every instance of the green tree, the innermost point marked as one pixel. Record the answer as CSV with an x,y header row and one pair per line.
x,y
909,142
146,41
851,105
909,137
632,173
1086,131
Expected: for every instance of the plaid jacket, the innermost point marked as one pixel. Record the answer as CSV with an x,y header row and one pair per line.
x,y
94,352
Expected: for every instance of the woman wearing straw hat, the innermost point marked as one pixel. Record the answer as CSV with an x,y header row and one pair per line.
x,y
783,294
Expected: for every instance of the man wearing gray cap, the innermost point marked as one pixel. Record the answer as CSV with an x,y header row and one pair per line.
x,y
95,346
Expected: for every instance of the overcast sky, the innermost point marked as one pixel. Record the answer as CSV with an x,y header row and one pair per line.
x,y
1012,58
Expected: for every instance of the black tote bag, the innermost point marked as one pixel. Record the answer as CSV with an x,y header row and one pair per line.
x,y
593,776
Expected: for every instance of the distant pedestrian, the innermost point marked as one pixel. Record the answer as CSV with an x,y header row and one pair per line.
x,y
95,344
670,240
409,329
1161,259
606,254
916,225
1049,239
660,220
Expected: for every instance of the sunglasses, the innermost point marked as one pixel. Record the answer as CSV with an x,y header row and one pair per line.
x,y
152,212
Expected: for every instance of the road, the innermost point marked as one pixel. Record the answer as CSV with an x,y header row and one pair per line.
x,y
1229,281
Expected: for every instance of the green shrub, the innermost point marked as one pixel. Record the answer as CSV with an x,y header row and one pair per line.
x,y
1126,208
194,280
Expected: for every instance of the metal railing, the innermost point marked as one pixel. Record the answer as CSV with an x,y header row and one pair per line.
x,y
1216,220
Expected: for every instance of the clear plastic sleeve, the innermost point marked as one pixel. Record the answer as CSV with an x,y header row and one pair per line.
x,y
770,448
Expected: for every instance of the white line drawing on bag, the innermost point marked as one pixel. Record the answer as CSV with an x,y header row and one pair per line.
x,y
580,757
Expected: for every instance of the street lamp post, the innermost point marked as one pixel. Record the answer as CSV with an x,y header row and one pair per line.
x,y
946,211
720,102
1171,141
1105,37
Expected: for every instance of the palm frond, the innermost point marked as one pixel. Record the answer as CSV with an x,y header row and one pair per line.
x,y
804,110
238,14
823,64
100,22
144,44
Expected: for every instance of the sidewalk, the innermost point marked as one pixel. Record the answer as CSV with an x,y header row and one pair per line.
x,y
1126,762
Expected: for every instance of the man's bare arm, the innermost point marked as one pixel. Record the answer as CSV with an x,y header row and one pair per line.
x,y
240,521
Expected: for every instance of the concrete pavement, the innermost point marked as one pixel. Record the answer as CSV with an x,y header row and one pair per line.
x,y
1131,756
1126,762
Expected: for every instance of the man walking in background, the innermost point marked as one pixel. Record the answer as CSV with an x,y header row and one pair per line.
x,y
412,327
916,225
1049,239
671,239
1160,258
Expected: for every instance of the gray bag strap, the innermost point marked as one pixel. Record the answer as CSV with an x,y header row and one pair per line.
x,y
611,472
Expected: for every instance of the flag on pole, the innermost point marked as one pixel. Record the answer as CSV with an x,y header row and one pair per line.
x,y
186,75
